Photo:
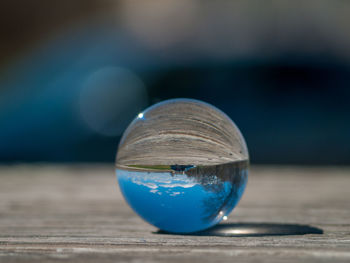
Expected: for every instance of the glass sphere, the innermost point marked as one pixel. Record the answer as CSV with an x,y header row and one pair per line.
x,y
182,165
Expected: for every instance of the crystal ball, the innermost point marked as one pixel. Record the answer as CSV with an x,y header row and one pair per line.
x,y
182,165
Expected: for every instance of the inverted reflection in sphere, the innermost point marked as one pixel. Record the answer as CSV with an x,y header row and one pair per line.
x,y
182,165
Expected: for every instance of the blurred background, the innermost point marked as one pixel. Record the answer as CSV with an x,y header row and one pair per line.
x,y
74,73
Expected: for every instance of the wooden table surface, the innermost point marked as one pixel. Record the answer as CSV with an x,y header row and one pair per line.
x,y
75,213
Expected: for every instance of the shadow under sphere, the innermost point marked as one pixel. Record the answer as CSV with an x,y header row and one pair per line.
x,y
255,230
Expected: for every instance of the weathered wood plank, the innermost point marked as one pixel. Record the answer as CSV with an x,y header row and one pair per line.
x,y
77,213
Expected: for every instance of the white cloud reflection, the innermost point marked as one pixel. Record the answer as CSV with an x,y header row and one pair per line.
x,y
157,181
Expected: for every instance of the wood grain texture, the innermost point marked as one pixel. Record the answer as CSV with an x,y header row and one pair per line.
x,y
77,214
181,132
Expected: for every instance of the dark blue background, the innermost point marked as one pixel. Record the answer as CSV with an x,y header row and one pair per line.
x,y
290,99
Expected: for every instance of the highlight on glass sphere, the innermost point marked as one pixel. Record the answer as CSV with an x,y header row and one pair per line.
x,y
182,165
